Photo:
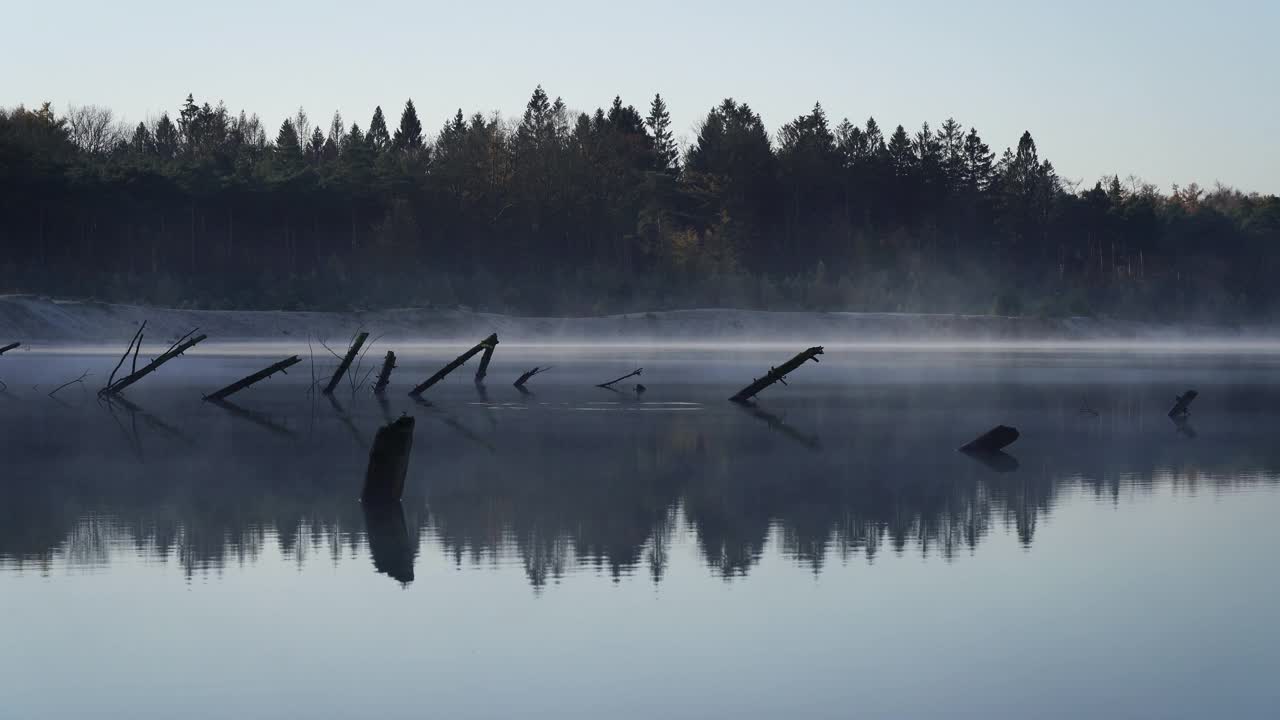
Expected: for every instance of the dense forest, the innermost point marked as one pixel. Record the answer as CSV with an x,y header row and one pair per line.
x,y
559,212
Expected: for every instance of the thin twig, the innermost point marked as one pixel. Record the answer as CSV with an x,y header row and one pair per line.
x,y
84,375
125,356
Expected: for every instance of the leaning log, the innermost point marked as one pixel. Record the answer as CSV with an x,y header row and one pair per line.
x,y
1182,404
185,343
994,440
263,374
10,346
384,375
609,385
389,461
778,374
486,344
346,363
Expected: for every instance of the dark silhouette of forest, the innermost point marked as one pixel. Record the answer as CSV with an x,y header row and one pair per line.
x,y
561,212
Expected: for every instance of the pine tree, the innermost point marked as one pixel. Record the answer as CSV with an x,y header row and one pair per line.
x,y
166,138
977,163
902,157
666,156
408,137
378,138
287,144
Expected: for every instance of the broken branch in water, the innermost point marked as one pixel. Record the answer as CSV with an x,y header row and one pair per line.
x,y
609,385
137,339
384,375
520,381
180,346
241,384
10,346
80,379
778,374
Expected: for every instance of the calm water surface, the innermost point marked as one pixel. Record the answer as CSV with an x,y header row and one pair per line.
x,y
579,553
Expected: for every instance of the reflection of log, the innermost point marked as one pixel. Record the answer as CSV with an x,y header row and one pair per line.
x,y
346,362
777,423
259,376
486,344
993,440
520,381
253,416
1183,424
777,374
384,375
389,461
484,361
998,461
1182,404
389,541
185,343
609,385
10,346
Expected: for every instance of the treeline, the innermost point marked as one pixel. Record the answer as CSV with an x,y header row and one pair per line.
x,y
567,213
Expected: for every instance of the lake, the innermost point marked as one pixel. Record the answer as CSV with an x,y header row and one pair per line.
x,y
576,552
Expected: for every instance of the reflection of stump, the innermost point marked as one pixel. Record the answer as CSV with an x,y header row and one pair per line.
x,y
389,461
389,541
993,440
1182,404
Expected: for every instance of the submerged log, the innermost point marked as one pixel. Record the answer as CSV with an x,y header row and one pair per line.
x,y
609,385
775,375
487,344
520,381
992,441
384,375
10,346
346,362
1182,404
185,343
389,461
263,374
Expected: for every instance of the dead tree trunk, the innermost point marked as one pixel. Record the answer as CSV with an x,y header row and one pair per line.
x,y
384,375
777,374
389,462
259,376
609,385
484,361
488,343
185,343
346,362
10,346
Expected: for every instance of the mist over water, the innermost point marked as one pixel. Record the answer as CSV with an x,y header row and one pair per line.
x,y
826,546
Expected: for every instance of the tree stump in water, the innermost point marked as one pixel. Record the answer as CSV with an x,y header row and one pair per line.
x,y
1182,404
389,462
994,440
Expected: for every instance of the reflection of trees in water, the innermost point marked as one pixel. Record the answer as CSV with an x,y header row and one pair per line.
x,y
605,497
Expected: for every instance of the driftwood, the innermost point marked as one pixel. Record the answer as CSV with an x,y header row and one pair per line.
x,y
389,462
68,383
994,440
263,374
487,344
609,385
520,381
1182,404
10,346
346,362
384,375
183,344
775,375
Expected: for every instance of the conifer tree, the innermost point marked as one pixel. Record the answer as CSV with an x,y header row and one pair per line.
x,y
666,156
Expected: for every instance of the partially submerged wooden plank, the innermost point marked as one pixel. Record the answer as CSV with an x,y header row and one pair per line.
x,y
346,362
389,461
384,375
185,343
486,344
520,381
777,374
10,346
263,374
484,360
994,440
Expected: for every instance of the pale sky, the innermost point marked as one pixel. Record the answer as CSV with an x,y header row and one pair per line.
x,y
1172,91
